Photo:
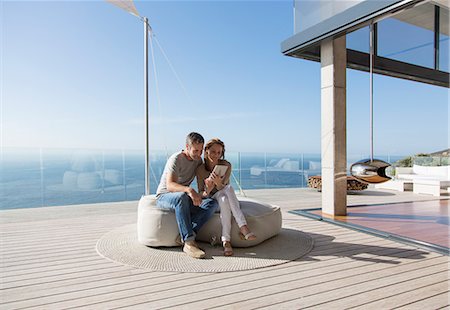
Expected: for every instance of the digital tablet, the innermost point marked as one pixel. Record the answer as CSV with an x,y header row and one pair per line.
x,y
220,170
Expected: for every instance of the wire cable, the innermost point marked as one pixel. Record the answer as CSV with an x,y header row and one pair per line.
x,y
174,72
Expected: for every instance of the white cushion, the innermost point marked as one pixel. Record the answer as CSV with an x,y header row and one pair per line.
x,y
439,171
423,170
155,226
158,227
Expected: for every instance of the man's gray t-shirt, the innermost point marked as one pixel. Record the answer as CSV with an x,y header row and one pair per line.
x,y
183,168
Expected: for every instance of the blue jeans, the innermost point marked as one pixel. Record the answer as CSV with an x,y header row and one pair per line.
x,y
190,218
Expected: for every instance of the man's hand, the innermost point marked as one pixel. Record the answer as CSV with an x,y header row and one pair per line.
x,y
196,197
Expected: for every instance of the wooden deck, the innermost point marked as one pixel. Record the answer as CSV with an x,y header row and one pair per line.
x,y
49,261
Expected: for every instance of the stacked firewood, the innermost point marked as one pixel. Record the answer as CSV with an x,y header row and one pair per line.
x,y
315,182
352,183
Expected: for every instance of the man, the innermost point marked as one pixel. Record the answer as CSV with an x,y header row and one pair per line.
x,y
174,193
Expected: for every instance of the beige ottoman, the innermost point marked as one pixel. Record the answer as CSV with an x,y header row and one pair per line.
x,y
158,227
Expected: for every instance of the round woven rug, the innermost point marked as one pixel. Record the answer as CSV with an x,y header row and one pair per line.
x,y
121,246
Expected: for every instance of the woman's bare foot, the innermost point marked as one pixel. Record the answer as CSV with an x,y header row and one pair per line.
x,y
246,234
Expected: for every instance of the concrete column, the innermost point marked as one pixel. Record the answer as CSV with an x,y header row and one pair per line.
x,y
333,127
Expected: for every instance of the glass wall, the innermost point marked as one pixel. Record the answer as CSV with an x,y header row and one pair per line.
x,y
405,42
359,40
409,37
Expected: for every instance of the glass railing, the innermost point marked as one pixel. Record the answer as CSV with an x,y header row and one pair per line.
x,y
423,160
431,160
49,177
32,178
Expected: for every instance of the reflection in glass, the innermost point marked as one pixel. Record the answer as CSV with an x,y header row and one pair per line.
x,y
443,53
405,42
359,40
444,43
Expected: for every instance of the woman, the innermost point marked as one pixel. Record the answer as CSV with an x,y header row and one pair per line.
x,y
219,188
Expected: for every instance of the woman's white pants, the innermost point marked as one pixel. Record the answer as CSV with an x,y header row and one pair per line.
x,y
229,204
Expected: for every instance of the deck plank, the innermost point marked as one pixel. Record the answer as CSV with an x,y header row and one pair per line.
x,y
439,301
413,298
397,285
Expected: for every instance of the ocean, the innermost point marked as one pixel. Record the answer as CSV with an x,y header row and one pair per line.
x,y
32,178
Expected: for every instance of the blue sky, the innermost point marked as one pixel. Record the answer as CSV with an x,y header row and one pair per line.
x,y
71,77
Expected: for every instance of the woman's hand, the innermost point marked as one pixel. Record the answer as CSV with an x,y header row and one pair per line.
x,y
217,180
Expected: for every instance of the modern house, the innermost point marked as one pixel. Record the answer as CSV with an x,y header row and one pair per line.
x,y
410,41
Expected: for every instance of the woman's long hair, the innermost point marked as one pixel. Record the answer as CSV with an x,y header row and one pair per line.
x,y
213,141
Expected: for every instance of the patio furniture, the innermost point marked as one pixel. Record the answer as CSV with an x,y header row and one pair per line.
x,y
424,172
352,183
397,185
158,227
430,187
426,179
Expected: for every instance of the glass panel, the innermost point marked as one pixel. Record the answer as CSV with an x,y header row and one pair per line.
x,y
83,176
34,178
312,165
309,13
275,170
444,43
21,182
234,159
431,161
409,37
252,170
359,40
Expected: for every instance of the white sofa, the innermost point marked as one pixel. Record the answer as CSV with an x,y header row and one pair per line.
x,y
426,179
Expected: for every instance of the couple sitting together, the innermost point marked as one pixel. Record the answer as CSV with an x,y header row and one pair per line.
x,y
192,208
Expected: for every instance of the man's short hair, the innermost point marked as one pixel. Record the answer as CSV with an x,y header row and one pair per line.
x,y
194,137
